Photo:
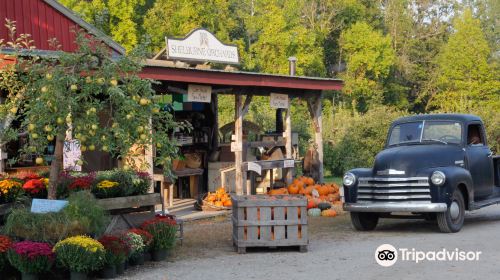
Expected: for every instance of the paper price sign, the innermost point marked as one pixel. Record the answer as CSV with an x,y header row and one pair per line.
x,y
279,100
289,163
199,93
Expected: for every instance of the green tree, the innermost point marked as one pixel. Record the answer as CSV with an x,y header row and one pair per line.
x,y
464,78
120,19
99,100
369,58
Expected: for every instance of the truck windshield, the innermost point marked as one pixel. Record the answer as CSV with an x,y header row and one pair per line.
x,y
445,132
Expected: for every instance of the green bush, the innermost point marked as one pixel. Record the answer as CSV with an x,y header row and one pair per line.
x,y
81,216
358,138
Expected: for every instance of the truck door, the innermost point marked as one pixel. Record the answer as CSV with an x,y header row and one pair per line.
x,y
479,160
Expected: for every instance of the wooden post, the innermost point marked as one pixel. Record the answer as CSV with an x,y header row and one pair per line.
x,y
315,110
288,143
240,110
149,155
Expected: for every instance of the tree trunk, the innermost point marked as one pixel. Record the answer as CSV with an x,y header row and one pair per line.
x,y
56,167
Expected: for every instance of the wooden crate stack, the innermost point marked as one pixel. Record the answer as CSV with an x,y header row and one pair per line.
x,y
269,221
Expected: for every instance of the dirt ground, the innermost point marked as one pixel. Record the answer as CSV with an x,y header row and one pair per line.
x,y
335,252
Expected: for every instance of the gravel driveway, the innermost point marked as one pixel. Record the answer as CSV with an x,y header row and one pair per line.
x,y
338,252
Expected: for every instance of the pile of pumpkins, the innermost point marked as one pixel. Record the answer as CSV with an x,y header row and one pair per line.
x,y
219,199
320,197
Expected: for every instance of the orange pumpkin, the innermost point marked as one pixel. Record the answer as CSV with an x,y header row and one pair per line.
x,y
219,204
227,203
308,181
329,213
211,197
309,189
279,191
293,189
323,190
311,204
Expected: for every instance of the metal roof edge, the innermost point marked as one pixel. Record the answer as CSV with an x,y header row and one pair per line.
x,y
87,26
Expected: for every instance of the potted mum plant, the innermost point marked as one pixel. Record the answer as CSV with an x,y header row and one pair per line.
x,y
163,229
80,254
117,252
137,248
5,244
31,258
147,239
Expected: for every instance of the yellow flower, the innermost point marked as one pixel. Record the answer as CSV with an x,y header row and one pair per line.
x,y
85,242
6,185
107,184
45,181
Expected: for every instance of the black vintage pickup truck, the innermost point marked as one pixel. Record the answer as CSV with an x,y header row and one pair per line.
x,y
433,167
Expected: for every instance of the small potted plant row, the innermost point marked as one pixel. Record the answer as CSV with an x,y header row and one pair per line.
x,y
82,255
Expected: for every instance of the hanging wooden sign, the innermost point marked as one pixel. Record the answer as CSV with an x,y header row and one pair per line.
x,y
199,93
279,100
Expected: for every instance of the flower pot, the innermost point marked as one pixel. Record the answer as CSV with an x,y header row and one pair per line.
x,y
120,268
159,255
108,272
147,256
78,275
137,259
29,276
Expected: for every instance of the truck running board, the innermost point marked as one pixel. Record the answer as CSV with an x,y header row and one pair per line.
x,y
486,202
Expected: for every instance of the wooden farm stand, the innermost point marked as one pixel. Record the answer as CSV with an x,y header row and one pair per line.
x,y
264,221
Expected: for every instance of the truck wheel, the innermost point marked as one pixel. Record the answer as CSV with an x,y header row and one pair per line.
x,y
453,219
364,221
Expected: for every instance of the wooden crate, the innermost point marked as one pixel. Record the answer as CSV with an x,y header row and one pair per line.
x,y
269,221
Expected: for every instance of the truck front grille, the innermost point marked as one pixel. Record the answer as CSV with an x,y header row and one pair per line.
x,y
412,189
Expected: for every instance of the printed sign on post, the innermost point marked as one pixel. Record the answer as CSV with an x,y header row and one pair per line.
x,y
252,166
47,205
235,147
199,93
279,100
289,163
71,155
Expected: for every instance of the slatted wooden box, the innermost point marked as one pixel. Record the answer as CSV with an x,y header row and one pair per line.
x,y
269,221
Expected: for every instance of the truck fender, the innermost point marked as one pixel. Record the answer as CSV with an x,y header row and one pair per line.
x,y
455,177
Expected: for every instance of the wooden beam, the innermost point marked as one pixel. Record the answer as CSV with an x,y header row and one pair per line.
x,y
315,110
238,153
288,141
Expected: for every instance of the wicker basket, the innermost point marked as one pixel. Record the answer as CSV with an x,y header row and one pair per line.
x,y
193,160
202,204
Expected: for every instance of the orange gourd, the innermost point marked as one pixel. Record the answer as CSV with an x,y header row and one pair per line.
x,y
308,181
279,191
309,189
219,204
227,203
329,213
311,204
323,190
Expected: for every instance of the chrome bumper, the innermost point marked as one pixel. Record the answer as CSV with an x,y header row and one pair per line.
x,y
395,207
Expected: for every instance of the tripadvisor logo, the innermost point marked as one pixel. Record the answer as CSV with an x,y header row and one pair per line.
x,y
387,255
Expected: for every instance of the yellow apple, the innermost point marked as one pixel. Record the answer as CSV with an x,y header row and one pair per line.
x,y
113,82
48,76
31,127
83,148
34,135
140,128
13,110
144,101
60,120
94,126
68,118
158,145
88,80
39,160
48,128
50,137
104,148
103,138
156,110
44,89
73,87
92,147
143,136
129,116
100,81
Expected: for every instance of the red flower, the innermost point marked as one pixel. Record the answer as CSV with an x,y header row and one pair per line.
x,y
5,243
31,250
166,219
82,183
28,176
115,245
34,186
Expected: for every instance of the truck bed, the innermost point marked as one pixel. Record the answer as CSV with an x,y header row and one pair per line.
x,y
496,169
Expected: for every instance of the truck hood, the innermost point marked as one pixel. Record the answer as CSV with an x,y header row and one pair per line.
x,y
414,158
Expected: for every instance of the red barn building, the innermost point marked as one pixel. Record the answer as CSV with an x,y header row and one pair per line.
x,y
48,19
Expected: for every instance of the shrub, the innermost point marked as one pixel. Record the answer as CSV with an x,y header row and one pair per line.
x,y
80,254
163,229
84,210
358,140
5,244
31,257
117,250
82,216
142,183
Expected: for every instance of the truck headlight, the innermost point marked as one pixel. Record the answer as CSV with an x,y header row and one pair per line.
x,y
349,179
438,178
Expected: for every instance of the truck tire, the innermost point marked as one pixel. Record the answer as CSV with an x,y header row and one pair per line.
x,y
364,221
453,219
